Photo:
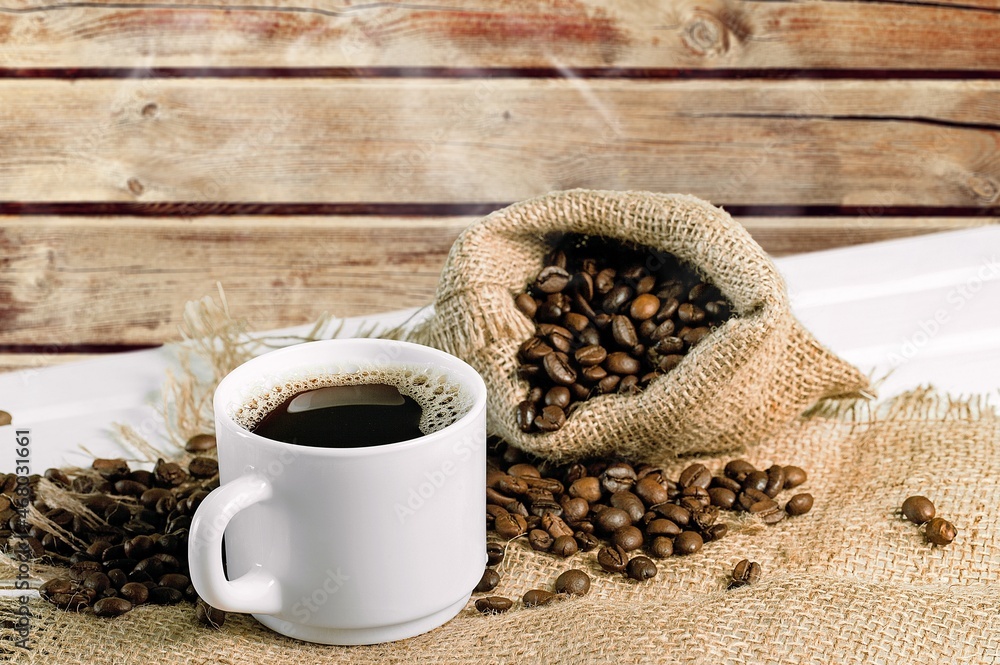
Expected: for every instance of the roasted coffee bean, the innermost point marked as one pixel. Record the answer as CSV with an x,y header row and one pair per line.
x,y
510,485
623,331
540,540
111,469
73,601
726,483
587,488
117,577
494,554
208,615
536,597
134,592
574,510
151,496
494,604
534,350
510,526
739,469
629,385
552,279
618,477
586,541
80,571
616,299
767,510
630,503
755,480
579,392
556,526
716,532
918,509
688,542
794,476
694,336
164,595
691,504
203,467
545,506
139,547
98,582
620,362
651,491
497,498
200,443
594,374
557,396
548,484
705,518
749,497
573,582
662,527
940,531
689,313
645,306
529,372
550,419
676,514
775,481
526,414
175,581
800,504
169,474
605,280
744,573
628,538
589,356
558,369
613,559
641,568
583,284
488,581
696,475
612,519
561,341
564,546
722,497
57,585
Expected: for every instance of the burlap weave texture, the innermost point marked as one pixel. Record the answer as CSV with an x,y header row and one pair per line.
x,y
754,373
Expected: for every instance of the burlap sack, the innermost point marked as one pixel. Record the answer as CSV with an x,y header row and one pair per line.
x,y
849,582
752,374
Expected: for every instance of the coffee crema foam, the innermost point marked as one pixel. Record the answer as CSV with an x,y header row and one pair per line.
x,y
442,402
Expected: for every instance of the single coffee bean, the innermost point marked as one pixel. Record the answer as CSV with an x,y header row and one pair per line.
x,y
58,585
556,526
583,284
560,339
203,467
662,527
550,419
494,604
526,414
117,577
574,582
726,483
175,581
111,469
613,559
540,540
689,313
744,573
612,519
645,306
688,542
651,491
705,518
676,514
630,503
620,362
628,538
111,607
510,526
536,597
794,476
511,485
800,504
134,592
524,470
574,510
661,547
494,554
594,374
629,385
127,487
80,571
534,349
586,541
739,469
200,443
696,475
139,547
99,582
641,568
623,331
605,280
768,511
940,531
488,581
588,356
691,504
552,279
716,532
755,480
616,299
618,477
587,488
557,396
775,481
918,509
208,615
164,595
526,304
564,546
558,368
722,497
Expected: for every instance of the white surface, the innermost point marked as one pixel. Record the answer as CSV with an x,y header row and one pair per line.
x,y
873,304
326,575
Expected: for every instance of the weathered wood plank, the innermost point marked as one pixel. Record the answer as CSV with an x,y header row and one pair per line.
x,y
503,33
77,281
880,143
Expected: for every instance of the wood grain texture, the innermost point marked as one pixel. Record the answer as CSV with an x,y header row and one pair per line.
x,y
77,281
878,143
502,33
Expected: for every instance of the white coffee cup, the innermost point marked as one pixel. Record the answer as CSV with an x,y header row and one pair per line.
x,y
344,545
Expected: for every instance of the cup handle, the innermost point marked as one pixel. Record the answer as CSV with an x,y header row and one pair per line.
x,y
257,591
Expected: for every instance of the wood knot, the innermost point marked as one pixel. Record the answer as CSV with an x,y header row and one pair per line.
x,y
135,186
984,187
150,110
706,34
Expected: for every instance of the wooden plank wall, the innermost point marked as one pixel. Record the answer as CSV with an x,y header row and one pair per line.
x,y
323,156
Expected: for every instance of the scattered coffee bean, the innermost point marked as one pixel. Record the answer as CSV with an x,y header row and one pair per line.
x,y
745,572
613,559
564,546
794,476
134,592
494,604
540,540
111,607
641,568
200,443
574,582
800,504
918,509
494,554
536,597
688,542
940,531
488,582
203,467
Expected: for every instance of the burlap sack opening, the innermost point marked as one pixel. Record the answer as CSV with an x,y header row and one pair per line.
x,y
751,375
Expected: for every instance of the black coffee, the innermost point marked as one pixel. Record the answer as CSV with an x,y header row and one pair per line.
x,y
352,416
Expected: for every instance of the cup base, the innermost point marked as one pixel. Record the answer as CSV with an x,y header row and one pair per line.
x,y
358,636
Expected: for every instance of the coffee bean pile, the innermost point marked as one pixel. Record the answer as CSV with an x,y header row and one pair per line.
x,y
937,530
609,318
135,536
630,515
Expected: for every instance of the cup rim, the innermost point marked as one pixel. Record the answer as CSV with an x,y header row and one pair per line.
x,y
468,377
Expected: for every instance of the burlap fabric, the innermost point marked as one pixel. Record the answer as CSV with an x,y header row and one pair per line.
x,y
751,375
850,582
